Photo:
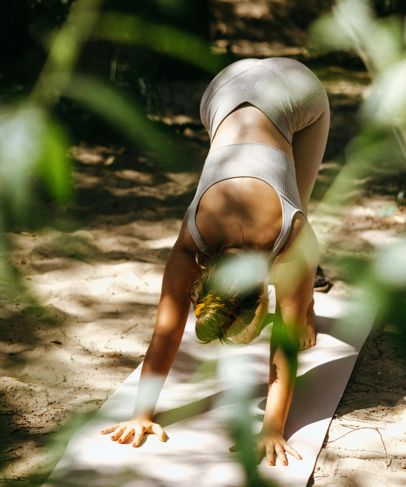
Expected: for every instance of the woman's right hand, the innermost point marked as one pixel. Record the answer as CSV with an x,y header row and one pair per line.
x,y
134,429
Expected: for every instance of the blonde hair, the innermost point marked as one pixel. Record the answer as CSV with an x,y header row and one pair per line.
x,y
221,315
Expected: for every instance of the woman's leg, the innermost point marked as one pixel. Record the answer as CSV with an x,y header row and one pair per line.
x,y
308,146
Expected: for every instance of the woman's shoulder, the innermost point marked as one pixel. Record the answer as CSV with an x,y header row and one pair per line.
x,y
185,241
299,223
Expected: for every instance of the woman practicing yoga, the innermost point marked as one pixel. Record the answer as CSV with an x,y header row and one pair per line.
x,y
268,122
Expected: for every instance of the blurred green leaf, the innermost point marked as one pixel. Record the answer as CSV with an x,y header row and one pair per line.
x,y
31,146
64,51
373,145
380,147
161,38
325,34
125,115
384,43
21,134
55,165
345,28
390,265
352,25
373,148
236,373
386,103
287,338
240,273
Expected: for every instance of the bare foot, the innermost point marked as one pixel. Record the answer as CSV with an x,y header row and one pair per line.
x,y
308,332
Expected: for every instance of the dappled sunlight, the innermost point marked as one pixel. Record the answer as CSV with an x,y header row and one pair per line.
x,y
346,88
98,154
166,242
372,222
94,266
244,23
249,48
379,238
90,325
195,413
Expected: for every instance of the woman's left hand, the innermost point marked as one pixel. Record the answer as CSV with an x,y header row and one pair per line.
x,y
274,446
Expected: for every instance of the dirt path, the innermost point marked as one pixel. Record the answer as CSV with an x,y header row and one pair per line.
x,y
99,280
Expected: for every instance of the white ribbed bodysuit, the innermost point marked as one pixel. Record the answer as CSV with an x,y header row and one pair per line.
x,y
293,98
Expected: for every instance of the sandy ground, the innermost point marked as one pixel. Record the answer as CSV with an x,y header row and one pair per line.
x,y
99,285
98,278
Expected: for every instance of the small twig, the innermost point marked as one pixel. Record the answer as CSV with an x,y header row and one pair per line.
x,y
388,461
124,332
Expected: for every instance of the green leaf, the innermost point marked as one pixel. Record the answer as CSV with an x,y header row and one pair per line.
x,y
55,165
386,104
124,114
325,34
384,44
161,38
390,265
21,135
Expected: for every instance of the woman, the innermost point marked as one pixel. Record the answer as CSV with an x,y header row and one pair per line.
x,y
268,122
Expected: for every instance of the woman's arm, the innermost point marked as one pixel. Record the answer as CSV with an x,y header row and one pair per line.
x,y
293,276
180,272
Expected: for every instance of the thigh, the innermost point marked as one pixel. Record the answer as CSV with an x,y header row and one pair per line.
x,y
308,146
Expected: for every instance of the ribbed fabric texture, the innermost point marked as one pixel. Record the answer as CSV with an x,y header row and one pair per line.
x,y
260,161
288,92
292,97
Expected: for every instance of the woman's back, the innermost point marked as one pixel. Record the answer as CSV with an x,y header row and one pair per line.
x,y
255,111
248,124
242,211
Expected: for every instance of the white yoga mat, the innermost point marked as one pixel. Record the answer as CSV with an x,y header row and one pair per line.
x,y
196,453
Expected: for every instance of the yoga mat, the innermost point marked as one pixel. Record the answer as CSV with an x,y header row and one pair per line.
x,y
198,404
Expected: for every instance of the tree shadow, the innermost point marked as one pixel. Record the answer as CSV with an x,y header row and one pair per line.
x,y
123,185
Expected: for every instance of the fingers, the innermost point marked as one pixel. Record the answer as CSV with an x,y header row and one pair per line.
x,y
110,429
270,454
276,450
158,430
128,432
117,433
138,436
281,454
124,431
292,451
